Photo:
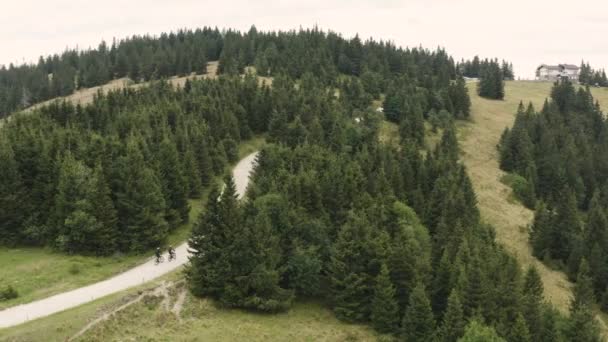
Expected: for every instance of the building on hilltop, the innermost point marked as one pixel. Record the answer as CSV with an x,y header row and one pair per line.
x,y
557,72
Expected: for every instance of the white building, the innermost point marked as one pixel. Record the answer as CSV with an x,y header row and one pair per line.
x,y
554,72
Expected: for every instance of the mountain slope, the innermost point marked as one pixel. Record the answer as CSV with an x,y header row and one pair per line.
x,y
510,219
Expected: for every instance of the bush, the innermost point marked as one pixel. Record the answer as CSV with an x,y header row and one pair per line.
x,y
522,189
8,293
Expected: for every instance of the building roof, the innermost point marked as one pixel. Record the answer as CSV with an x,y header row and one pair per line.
x,y
548,67
570,66
558,67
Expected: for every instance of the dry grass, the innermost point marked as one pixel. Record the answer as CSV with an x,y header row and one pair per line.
x,y
201,320
511,219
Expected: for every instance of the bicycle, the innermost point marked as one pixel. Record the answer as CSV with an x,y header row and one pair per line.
x,y
159,260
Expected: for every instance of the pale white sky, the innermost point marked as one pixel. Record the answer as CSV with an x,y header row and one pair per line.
x,y
526,32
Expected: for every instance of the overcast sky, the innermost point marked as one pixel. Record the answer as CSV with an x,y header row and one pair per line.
x,y
526,32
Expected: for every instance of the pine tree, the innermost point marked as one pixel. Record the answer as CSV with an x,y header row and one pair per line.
x,y
477,332
351,282
453,324
254,257
567,227
418,323
72,203
519,332
105,213
549,330
384,311
209,264
140,203
192,175
459,95
174,185
205,163
12,196
532,301
583,289
582,326
277,127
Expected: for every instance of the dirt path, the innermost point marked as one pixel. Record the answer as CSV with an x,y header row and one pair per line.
x,y
135,276
478,141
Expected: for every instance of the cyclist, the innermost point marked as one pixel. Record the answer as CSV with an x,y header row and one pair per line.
x,y
158,255
171,253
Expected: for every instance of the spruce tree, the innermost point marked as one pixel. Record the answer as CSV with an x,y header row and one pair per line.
x,y
583,289
254,258
453,323
418,323
192,175
140,203
384,311
519,332
209,264
532,301
12,196
477,332
72,203
173,184
350,280
105,213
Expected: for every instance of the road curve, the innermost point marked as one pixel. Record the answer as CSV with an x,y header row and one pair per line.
x,y
133,277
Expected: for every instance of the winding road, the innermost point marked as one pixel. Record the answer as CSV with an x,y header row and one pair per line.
x,y
133,277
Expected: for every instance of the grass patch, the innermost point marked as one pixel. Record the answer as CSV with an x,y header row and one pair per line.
x,y
198,320
202,320
63,325
249,146
388,133
40,272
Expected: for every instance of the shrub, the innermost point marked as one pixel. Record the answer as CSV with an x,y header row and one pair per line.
x,y
9,293
522,189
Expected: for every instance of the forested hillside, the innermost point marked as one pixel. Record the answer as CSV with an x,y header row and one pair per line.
x,y
560,157
383,234
293,53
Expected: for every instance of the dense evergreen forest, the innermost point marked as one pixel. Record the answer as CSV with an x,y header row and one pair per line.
x,y
186,51
560,155
592,77
388,235
491,74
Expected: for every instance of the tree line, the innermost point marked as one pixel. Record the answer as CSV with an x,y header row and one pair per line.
x,y
474,68
589,76
144,58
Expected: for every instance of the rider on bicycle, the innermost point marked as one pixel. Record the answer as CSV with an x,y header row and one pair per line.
x,y
171,252
158,254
